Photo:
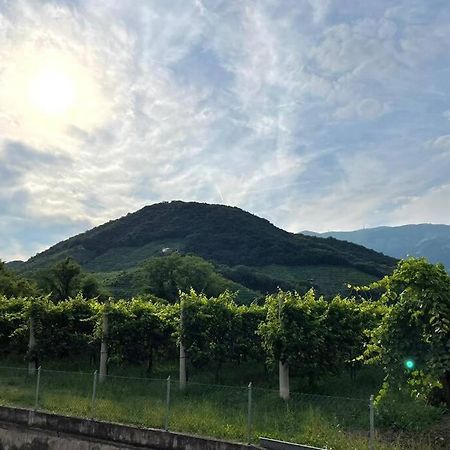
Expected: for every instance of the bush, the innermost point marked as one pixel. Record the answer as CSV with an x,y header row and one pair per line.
x,y
397,409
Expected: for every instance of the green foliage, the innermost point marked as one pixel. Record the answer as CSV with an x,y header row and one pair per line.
x,y
90,287
217,330
261,282
326,280
207,327
66,279
209,410
416,327
348,324
12,320
138,328
247,342
61,280
12,285
408,320
65,329
220,234
315,336
396,409
292,332
167,275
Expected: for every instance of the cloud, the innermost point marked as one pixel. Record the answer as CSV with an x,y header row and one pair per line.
x,y
442,142
440,148
321,9
297,111
425,208
367,109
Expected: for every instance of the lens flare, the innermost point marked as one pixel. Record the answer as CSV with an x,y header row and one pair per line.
x,y
409,363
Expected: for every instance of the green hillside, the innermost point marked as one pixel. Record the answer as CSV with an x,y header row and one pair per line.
x,y
429,240
244,248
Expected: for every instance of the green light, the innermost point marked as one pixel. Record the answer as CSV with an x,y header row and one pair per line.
x,y
409,363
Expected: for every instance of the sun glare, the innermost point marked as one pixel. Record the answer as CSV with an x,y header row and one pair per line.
x,y
52,91
51,96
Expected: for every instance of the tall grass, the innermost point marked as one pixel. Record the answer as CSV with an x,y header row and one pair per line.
x,y
212,410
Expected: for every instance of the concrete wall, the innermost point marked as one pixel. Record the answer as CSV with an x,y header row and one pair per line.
x,y
274,444
22,429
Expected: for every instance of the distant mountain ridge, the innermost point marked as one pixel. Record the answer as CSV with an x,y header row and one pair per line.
x,y
227,236
429,240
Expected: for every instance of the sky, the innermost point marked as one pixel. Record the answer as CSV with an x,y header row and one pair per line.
x,y
315,114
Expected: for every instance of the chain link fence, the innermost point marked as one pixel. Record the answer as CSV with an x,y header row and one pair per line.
x,y
137,401
17,387
231,412
209,409
306,418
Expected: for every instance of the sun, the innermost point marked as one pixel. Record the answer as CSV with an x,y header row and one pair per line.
x,y
52,96
52,91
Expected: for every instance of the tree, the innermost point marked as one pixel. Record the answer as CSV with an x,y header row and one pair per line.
x,y
167,275
91,288
413,340
293,332
12,285
62,280
314,336
66,279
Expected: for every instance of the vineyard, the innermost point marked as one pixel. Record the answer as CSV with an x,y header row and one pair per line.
x,y
402,319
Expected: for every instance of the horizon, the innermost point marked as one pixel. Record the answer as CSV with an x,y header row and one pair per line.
x,y
314,115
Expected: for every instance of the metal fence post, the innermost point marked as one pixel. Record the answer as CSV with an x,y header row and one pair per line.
x,y
166,418
249,413
94,394
371,424
38,382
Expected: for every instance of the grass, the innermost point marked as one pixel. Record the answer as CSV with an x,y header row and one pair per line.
x,y
366,381
130,257
220,411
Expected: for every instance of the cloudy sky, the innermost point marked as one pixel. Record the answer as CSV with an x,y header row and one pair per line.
x,y
316,114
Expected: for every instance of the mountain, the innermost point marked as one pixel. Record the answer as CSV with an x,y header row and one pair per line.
x,y
15,265
429,240
229,237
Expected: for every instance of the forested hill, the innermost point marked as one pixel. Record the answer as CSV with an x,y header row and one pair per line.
x,y
222,234
426,239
